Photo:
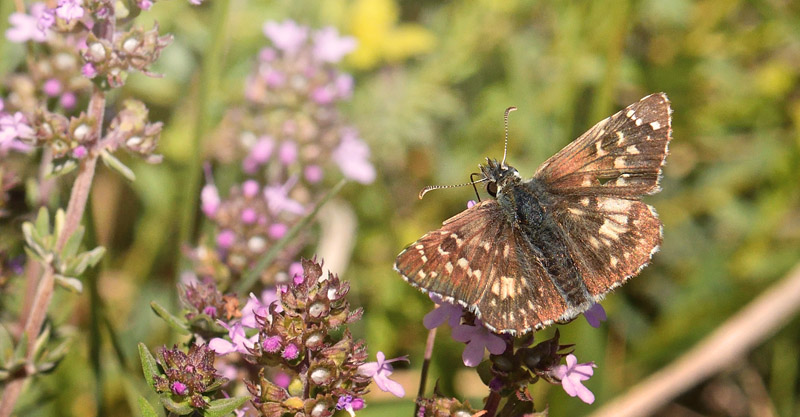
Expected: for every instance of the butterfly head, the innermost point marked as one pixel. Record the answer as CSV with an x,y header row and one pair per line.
x,y
498,176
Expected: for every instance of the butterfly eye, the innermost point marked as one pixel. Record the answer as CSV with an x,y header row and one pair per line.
x,y
491,188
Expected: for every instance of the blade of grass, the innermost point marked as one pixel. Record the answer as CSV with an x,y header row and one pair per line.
x,y
252,275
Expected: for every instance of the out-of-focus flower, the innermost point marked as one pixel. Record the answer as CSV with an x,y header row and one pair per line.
x,y
329,46
278,200
26,27
288,35
352,156
379,371
258,307
69,10
572,374
477,337
14,129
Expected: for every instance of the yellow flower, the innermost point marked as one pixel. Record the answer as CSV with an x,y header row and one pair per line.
x,y
381,38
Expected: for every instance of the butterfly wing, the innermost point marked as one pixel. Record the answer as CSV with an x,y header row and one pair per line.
x,y
597,181
620,156
610,239
512,293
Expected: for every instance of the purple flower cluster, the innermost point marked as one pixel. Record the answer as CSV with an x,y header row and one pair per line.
x,y
251,219
188,376
296,85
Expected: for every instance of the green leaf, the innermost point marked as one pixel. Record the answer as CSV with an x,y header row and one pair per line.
x,y
180,408
149,365
73,243
116,165
34,253
70,283
224,406
6,346
95,255
42,222
60,167
60,219
41,341
146,409
173,321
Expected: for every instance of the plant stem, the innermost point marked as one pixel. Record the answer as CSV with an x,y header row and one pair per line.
x,y
44,290
423,377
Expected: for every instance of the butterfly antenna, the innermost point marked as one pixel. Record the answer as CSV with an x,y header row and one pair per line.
x,y
505,145
439,187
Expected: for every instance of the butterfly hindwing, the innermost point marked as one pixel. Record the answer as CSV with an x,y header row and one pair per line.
x,y
610,239
621,155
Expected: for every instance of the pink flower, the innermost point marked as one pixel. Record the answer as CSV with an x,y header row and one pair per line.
x,y
88,70
313,173
226,239
277,230
445,312
352,157
79,152
209,199
68,100
52,87
238,343
330,47
344,85
477,338
287,154
26,27
572,374
287,36
277,197
379,371
250,188
323,95
69,10
258,307
350,404
14,128
594,315
145,4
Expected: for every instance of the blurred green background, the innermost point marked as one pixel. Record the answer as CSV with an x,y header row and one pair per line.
x,y
432,81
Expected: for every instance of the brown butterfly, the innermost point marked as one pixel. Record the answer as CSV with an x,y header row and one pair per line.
x,y
546,249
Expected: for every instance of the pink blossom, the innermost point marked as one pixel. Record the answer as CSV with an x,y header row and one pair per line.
x,y
445,312
277,230
226,239
79,152
259,307
13,129
352,157
572,374
26,27
313,174
477,338
209,199
68,100
52,87
330,47
277,197
238,340
145,4
323,95
249,216
288,152
344,85
69,10
262,150
287,36
250,188
379,371
88,70
273,77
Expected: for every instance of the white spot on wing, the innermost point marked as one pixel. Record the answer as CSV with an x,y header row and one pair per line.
x,y
633,150
449,267
611,229
655,125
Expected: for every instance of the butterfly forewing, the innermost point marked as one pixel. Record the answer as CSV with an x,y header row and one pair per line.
x,y
480,261
621,155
